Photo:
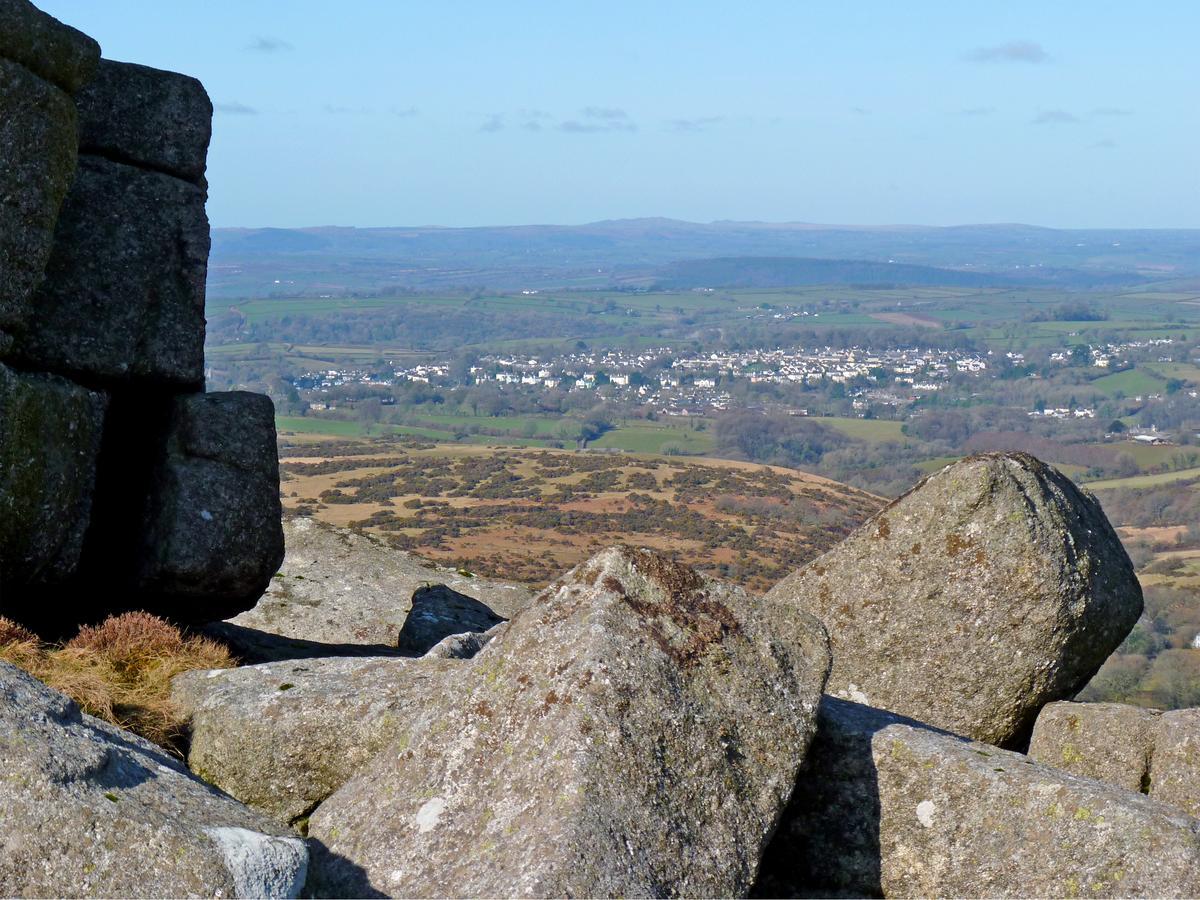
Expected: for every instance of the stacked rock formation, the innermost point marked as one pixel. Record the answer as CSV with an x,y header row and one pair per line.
x,y
115,470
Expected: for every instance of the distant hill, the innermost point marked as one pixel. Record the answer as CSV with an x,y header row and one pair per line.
x,y
767,271
638,252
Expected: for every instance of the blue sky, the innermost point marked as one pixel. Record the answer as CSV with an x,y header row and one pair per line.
x,y
363,112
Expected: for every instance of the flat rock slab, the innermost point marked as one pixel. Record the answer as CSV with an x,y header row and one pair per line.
x,y
38,146
1175,770
213,539
90,810
341,587
1111,742
992,588
889,807
634,732
283,736
48,48
50,433
123,295
148,118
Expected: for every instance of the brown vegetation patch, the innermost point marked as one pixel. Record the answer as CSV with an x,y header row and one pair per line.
x,y
119,670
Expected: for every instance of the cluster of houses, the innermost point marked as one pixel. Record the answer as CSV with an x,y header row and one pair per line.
x,y
1107,356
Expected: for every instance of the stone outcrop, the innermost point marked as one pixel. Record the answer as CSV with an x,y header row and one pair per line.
x,y
1175,769
147,118
103,256
283,736
42,63
213,533
123,293
886,806
990,589
438,613
91,810
1110,742
635,731
49,442
345,588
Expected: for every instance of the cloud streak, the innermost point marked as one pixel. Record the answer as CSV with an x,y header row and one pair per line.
x,y
263,44
1011,52
233,108
976,111
1054,117
589,120
699,123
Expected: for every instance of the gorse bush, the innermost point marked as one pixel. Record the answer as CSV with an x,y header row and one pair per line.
x,y
119,670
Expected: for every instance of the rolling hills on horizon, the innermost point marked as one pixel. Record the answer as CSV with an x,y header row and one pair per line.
x,y
639,253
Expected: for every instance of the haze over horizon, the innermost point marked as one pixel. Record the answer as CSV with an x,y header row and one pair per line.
x,y
377,114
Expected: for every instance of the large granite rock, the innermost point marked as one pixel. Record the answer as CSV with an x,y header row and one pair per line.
x,y
48,48
147,118
37,146
634,732
347,588
437,613
123,295
1110,742
987,591
283,736
90,810
1175,771
889,807
50,433
213,537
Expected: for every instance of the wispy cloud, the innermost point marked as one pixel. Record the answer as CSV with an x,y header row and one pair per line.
x,y
1011,52
1111,111
589,120
610,113
699,123
493,123
404,112
1054,117
233,108
336,110
263,44
1106,144
860,110
597,119
976,111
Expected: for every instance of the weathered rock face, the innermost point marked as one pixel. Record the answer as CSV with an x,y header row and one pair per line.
x,y
123,295
148,118
45,46
90,810
49,440
103,259
1110,742
989,590
1175,772
634,732
38,146
341,587
887,806
437,613
214,531
283,736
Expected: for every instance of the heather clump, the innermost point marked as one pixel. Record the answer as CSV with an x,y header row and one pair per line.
x,y
119,670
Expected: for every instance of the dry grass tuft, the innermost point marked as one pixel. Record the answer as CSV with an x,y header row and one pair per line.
x,y
119,670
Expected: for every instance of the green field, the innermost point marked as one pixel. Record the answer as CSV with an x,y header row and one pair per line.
x,y
1131,382
876,430
655,439
1144,481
